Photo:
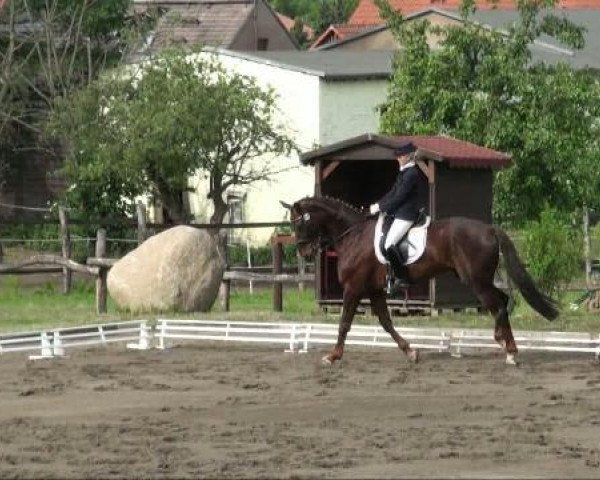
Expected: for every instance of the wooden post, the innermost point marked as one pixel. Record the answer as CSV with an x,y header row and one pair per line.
x,y
277,248
301,270
587,247
66,248
225,292
142,233
101,287
225,287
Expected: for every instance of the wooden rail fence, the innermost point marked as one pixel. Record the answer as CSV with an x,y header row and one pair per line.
x,y
99,265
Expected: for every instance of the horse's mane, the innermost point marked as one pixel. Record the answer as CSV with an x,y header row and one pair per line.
x,y
343,210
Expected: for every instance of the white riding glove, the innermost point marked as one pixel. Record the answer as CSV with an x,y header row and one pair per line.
x,y
374,208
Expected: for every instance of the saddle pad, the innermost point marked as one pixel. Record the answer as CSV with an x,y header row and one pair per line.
x,y
414,242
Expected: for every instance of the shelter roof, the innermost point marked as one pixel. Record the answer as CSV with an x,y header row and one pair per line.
x,y
454,152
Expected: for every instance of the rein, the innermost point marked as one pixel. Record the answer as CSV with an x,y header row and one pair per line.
x,y
321,242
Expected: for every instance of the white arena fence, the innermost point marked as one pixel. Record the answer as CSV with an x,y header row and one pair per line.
x,y
54,343
294,337
300,337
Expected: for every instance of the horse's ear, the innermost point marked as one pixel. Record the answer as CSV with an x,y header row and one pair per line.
x,y
285,205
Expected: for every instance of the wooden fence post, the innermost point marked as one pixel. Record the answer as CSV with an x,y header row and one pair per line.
x,y
301,269
66,248
225,287
277,248
587,247
101,287
142,233
225,293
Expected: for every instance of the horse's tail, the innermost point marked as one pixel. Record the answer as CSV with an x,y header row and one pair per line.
x,y
542,303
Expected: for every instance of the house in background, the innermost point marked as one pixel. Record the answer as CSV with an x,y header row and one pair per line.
x,y
366,15
546,48
322,98
245,25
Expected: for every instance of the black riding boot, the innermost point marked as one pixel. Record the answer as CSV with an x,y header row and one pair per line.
x,y
396,259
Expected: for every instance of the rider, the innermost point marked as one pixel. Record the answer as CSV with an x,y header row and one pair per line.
x,y
405,200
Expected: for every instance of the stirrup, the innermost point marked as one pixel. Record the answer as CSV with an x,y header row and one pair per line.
x,y
396,285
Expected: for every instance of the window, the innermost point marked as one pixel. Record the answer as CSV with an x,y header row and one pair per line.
x,y
262,44
236,213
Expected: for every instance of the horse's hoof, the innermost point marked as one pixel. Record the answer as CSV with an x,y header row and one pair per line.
x,y
326,360
413,356
511,360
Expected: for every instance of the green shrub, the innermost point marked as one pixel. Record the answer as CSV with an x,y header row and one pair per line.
x,y
553,251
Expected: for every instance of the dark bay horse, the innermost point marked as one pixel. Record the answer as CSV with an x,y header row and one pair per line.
x,y
469,248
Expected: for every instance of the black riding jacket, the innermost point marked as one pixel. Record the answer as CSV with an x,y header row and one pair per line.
x,y
408,195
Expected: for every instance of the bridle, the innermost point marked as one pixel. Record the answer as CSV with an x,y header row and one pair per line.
x,y
321,242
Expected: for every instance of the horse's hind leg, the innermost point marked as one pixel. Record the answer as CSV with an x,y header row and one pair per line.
x,y
351,301
379,308
496,301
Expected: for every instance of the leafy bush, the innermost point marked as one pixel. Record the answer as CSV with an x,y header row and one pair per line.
x,y
552,250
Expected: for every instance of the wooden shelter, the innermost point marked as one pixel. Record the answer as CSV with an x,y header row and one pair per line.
x,y
362,169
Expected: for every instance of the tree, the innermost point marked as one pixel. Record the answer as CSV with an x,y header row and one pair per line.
x,y
148,129
297,32
330,12
318,14
48,48
483,86
551,249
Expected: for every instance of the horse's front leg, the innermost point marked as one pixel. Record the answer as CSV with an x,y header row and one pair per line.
x,y
379,308
351,301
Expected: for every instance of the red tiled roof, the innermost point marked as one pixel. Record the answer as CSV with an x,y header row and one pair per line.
x,y
367,13
337,32
458,153
454,152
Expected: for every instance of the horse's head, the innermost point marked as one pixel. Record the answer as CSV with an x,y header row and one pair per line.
x,y
308,222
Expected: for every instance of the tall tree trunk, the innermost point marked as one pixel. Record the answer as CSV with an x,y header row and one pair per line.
x,y
172,201
219,212
220,208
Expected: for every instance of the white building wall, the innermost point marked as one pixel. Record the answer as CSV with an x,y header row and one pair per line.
x,y
316,113
349,108
298,109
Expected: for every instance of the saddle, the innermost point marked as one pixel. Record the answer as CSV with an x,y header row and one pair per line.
x,y
411,246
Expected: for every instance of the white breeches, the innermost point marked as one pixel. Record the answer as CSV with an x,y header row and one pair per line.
x,y
397,231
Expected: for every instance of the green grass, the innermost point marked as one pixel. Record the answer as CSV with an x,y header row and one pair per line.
x,y
43,306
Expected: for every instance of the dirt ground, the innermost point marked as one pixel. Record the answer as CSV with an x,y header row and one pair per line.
x,y
231,410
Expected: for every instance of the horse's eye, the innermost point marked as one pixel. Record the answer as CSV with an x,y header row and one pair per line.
x,y
306,217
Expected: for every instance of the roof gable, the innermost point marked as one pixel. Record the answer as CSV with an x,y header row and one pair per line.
x,y
337,32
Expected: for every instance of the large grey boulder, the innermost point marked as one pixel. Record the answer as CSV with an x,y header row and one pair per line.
x,y
179,269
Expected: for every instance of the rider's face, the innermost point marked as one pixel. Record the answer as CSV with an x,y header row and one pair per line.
x,y
404,159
